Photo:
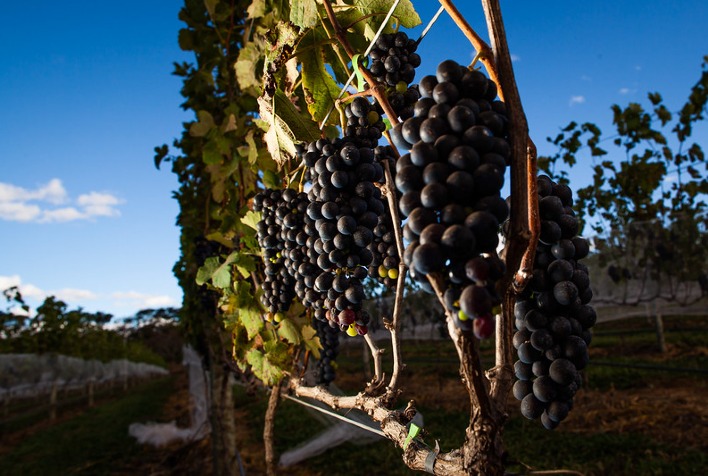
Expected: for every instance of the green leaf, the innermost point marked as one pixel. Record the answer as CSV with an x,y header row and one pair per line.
x,y
256,9
185,38
216,272
252,321
245,264
311,341
320,89
211,154
211,6
263,368
246,67
271,179
251,219
205,122
303,127
288,331
405,13
303,13
220,273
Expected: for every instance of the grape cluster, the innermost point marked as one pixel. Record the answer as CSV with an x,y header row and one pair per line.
x,y
553,317
278,285
393,63
345,208
364,123
449,184
329,338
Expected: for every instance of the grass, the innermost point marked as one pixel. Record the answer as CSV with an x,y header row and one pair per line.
x,y
97,443
587,447
89,444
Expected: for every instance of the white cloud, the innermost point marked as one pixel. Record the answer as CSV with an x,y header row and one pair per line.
x,y
585,77
515,58
576,100
141,300
42,204
30,291
14,211
99,204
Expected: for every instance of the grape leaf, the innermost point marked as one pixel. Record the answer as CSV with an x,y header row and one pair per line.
x,y
405,13
263,368
218,273
303,127
279,139
251,219
303,13
247,72
311,340
251,319
211,6
320,89
256,9
288,331
203,125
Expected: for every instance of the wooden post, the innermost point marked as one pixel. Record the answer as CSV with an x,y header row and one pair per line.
x,y
53,402
659,323
90,392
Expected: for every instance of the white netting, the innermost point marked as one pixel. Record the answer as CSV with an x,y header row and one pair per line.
x,y
161,434
28,375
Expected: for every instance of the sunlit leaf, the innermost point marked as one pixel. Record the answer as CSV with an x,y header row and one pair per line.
x,y
303,13
288,331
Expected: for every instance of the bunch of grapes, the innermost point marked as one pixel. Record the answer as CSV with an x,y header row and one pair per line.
x,y
393,63
329,338
553,317
450,184
364,123
345,207
278,286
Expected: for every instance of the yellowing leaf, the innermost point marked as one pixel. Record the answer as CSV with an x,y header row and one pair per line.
x,y
251,219
248,74
303,13
311,340
279,139
205,122
263,368
320,89
251,319
288,331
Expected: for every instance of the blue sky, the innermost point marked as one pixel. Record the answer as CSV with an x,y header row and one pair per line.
x,y
87,92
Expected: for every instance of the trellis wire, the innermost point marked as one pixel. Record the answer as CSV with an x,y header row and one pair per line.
x,y
366,53
430,25
336,415
371,46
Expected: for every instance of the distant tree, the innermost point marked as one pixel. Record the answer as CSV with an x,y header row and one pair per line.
x,y
54,328
647,201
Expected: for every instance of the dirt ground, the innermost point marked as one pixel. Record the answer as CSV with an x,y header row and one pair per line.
x,y
675,414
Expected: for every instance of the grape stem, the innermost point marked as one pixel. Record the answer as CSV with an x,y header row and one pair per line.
x,y
524,221
378,90
376,354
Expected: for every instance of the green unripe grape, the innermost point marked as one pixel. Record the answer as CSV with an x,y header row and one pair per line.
x,y
462,316
401,87
373,117
278,316
383,272
393,273
351,330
